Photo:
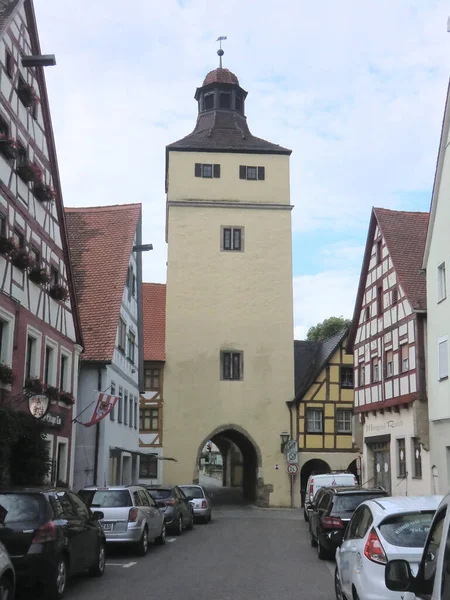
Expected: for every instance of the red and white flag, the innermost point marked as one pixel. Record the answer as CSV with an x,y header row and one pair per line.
x,y
105,404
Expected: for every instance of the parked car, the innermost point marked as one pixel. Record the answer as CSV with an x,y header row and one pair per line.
x,y
379,530
432,580
200,501
130,515
315,482
176,508
7,575
50,535
332,510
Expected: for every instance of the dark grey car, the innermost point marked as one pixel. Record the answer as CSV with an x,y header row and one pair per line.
x,y
176,508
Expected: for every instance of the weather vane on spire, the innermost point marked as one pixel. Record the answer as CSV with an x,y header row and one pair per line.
x,y
220,52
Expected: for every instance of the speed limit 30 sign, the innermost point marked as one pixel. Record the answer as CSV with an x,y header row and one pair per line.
x,y
292,469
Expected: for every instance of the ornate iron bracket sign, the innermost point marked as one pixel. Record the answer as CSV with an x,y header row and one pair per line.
x,y
38,405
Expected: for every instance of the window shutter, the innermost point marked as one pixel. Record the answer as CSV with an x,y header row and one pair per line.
x,y
236,239
226,363
261,173
443,359
242,172
236,366
227,239
216,171
198,170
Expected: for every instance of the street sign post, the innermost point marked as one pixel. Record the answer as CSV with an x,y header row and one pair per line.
x,y
292,457
292,469
358,465
291,446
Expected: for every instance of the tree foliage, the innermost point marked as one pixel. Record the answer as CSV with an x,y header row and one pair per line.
x,y
327,328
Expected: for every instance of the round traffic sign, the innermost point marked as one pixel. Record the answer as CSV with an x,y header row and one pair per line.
x,y
292,469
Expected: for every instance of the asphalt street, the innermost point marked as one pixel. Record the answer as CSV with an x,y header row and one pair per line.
x,y
244,554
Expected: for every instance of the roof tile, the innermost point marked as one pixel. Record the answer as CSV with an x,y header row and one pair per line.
x,y
154,317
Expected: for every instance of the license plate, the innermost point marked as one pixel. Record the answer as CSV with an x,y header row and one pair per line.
x,y
107,526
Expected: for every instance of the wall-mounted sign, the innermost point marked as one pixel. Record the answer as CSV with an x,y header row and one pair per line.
x,y
53,420
38,406
391,424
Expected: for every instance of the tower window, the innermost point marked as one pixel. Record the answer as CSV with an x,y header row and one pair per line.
x,y
208,171
238,103
225,100
208,101
232,238
252,173
231,365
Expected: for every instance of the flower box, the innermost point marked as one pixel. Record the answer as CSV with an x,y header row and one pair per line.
x,y
26,93
44,192
34,385
66,398
59,292
8,147
52,392
7,245
21,258
6,374
25,171
38,275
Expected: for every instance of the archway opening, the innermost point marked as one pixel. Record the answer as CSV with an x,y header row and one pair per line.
x,y
352,468
315,466
237,481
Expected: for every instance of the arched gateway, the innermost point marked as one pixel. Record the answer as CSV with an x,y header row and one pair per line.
x,y
229,310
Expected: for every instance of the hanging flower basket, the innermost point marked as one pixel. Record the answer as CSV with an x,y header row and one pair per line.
x,y
52,392
66,398
8,147
26,93
37,173
7,245
25,170
44,192
21,258
6,374
38,275
59,292
34,385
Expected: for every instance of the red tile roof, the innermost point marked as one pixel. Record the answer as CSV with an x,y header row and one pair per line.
x,y
220,76
405,234
101,241
154,317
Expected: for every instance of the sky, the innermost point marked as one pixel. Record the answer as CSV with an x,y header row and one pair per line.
x,y
356,89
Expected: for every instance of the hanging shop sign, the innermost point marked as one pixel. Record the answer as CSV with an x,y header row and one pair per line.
x,y
38,405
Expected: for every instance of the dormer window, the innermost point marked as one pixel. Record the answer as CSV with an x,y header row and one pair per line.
x,y
208,101
225,100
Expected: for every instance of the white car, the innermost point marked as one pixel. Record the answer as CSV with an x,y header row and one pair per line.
x,y
381,530
7,576
315,482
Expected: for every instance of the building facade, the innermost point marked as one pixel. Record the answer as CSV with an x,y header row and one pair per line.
x,y
326,429
387,339
108,281
151,400
40,334
229,311
437,266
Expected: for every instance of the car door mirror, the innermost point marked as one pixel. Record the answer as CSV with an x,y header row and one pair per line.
x,y
97,515
398,576
337,537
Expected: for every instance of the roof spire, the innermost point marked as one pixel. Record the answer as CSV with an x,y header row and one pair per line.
x,y
220,52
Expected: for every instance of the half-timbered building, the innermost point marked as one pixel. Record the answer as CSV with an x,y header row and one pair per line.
x,y
151,399
40,335
104,243
387,341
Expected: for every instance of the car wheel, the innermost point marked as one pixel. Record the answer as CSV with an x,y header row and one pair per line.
x,y
305,516
98,569
6,588
55,588
161,540
142,546
337,586
321,552
179,530
312,540
191,522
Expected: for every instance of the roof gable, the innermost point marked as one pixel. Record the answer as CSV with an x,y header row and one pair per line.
x,y
154,317
101,242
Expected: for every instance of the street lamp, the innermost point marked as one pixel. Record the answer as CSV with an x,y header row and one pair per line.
x,y
284,435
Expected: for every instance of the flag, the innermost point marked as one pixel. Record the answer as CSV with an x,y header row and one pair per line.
x,y
105,404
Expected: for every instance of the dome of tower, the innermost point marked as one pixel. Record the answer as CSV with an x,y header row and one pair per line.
x,y
221,76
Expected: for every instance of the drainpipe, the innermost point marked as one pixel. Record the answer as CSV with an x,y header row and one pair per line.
x,y
97,444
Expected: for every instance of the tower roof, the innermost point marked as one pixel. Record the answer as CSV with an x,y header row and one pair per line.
x,y
221,76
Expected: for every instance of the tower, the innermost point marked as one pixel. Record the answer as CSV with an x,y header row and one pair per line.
x,y
229,310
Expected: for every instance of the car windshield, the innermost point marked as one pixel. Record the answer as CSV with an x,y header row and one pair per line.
x,y
160,493
106,498
349,503
22,508
193,491
407,531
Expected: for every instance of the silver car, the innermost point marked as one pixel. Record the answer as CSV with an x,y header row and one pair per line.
x,y
7,575
131,516
200,500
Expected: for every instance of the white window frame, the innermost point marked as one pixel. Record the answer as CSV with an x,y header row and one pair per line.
x,y
49,439
441,282
442,374
122,321
8,344
131,348
67,383
402,360
65,442
315,412
53,370
345,412
35,370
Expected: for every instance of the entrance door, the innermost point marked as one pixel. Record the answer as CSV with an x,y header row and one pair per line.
x,y
382,465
